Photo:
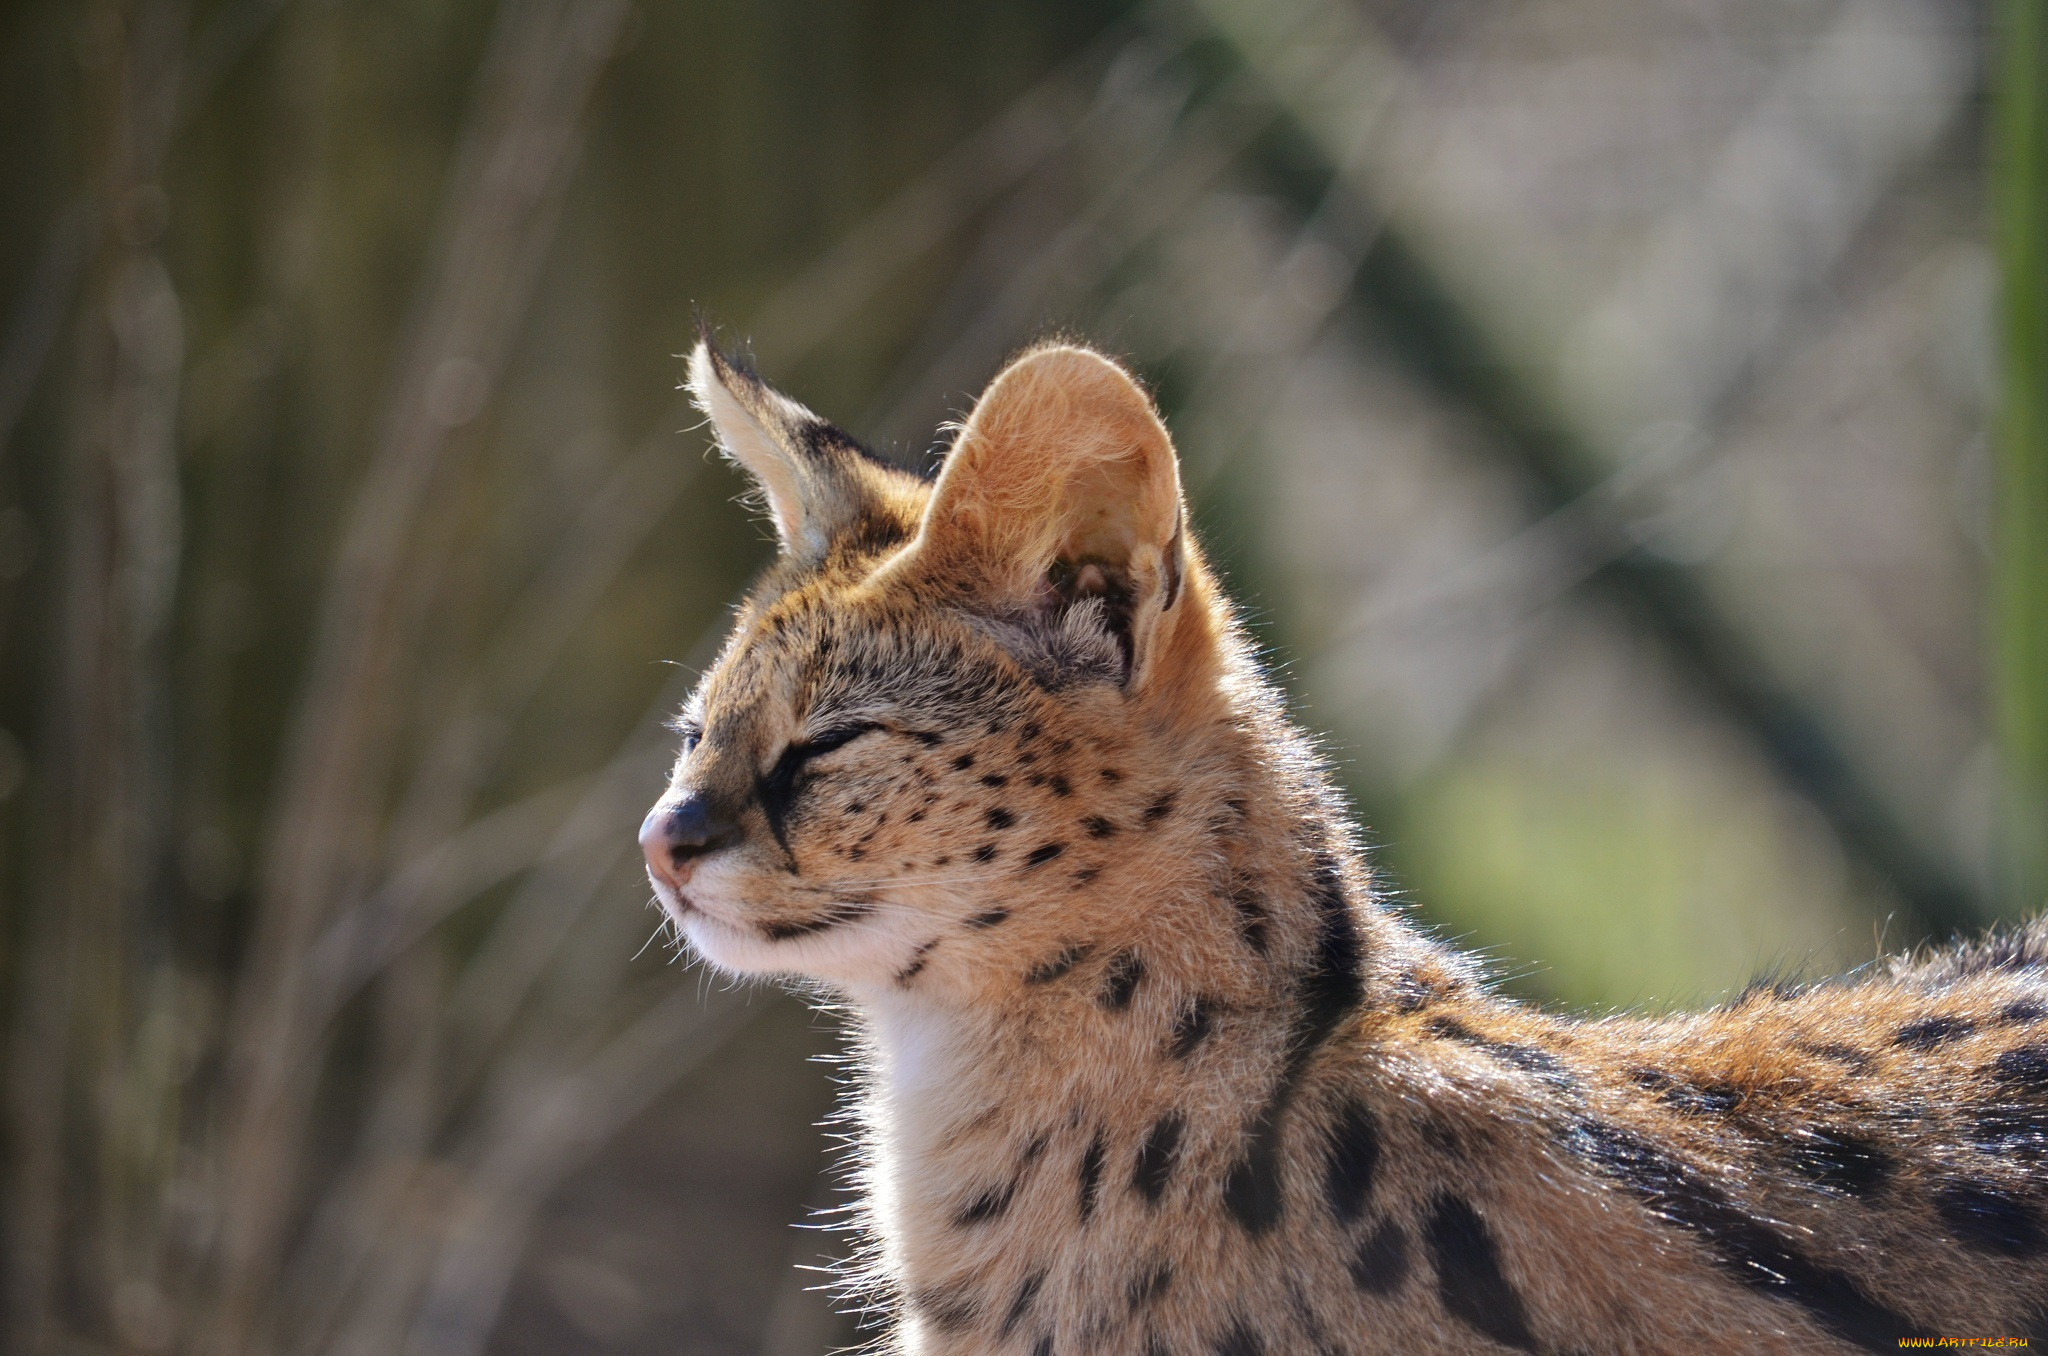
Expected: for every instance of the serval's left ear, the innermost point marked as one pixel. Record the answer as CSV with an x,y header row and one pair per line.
x,y
1062,488
811,474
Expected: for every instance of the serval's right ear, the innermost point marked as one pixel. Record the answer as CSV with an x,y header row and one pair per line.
x,y
1061,492
810,473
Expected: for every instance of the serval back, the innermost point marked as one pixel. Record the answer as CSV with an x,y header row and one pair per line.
x,y
1147,1069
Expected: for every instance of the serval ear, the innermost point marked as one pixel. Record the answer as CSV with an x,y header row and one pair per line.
x,y
809,472
1060,502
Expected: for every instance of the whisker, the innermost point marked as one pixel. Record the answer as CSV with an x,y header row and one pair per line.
x,y
659,928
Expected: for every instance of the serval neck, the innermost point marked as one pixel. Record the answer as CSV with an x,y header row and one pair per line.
x,y
1118,1056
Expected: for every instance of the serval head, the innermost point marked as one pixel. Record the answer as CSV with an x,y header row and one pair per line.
x,y
950,706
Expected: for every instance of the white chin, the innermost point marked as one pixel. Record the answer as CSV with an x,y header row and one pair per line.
x,y
730,949
854,955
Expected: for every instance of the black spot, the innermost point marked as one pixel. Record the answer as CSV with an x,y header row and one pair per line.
x,y
1777,990
1840,1160
1468,1276
2023,1011
917,816
1110,774
1710,1099
1240,1341
1252,1190
1159,809
1122,981
926,737
1021,1305
995,780
985,853
989,1205
1354,1157
1524,1057
1000,818
1847,1055
1154,1163
1047,971
1750,1250
845,911
1098,827
1331,987
2022,1068
2016,1129
1381,1262
990,918
1305,1318
855,807
1058,785
1439,1135
949,1308
1091,1175
1149,1284
1027,732
1929,1032
1412,992
963,762
1328,989
1039,856
1191,1027
917,962
1989,1220
1170,568
1251,918
1043,1346
1086,874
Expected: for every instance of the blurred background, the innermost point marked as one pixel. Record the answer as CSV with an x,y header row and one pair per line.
x,y
1594,404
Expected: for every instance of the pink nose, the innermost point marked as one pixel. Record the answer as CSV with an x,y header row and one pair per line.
x,y
678,832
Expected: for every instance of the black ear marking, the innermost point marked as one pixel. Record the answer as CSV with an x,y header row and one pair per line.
x,y
1170,564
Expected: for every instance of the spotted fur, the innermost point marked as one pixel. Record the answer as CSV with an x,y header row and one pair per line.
x,y
1147,1066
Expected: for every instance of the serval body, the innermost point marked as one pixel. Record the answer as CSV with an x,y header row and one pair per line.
x,y
1146,1069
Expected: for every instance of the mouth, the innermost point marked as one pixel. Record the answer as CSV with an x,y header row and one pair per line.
x,y
672,900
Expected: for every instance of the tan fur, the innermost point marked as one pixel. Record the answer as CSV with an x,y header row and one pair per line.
x,y
1147,1069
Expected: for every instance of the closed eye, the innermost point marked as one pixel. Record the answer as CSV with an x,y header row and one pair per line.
x,y
778,786
835,739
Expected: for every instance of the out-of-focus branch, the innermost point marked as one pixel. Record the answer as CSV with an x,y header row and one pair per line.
x,y
1158,152
512,166
2021,192
1464,299
87,996
74,233
544,1123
